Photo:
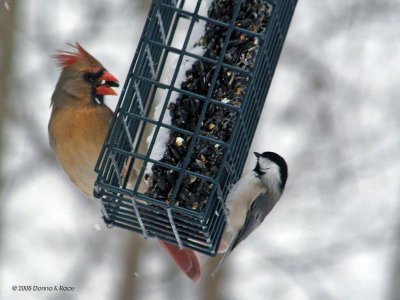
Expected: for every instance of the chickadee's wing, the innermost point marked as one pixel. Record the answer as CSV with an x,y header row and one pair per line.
x,y
258,210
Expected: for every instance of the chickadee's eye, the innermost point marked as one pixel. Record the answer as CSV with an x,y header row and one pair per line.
x,y
90,77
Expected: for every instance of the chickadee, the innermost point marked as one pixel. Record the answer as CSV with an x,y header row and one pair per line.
x,y
253,197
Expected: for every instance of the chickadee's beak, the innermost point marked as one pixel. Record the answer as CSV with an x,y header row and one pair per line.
x,y
257,154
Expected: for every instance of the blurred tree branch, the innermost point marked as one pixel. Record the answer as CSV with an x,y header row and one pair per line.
x,y
394,281
130,263
84,264
8,20
213,287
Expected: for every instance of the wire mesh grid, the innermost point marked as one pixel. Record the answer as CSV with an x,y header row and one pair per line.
x,y
167,209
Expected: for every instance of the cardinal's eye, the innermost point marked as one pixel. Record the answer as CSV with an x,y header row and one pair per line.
x,y
90,77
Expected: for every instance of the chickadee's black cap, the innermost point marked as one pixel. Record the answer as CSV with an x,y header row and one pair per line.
x,y
279,160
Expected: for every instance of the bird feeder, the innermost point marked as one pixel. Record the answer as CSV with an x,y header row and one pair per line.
x,y
187,115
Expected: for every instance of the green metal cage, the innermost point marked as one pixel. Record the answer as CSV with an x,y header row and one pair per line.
x,y
202,96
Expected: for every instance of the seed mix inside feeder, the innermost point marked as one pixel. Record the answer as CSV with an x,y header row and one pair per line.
x,y
199,134
218,118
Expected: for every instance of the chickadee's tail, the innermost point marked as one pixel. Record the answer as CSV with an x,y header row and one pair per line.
x,y
227,252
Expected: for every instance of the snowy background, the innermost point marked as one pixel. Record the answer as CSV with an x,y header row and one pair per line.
x,y
333,112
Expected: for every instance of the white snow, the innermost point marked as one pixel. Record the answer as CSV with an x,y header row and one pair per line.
x,y
163,135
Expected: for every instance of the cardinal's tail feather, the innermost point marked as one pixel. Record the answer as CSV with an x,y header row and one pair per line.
x,y
186,259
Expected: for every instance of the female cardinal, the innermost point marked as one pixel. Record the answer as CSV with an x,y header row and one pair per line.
x,y
79,123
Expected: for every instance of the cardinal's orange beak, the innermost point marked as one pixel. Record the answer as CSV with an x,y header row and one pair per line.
x,y
105,82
